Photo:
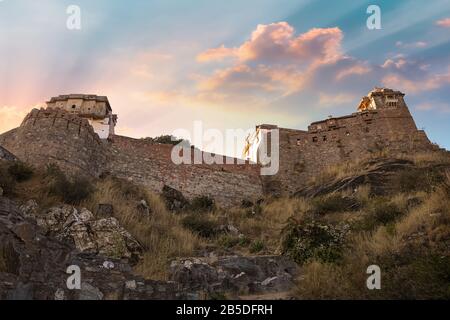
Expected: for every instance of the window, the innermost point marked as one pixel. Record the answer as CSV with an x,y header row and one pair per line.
x,y
74,106
314,139
299,142
324,138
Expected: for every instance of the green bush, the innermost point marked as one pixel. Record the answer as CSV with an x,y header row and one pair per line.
x,y
333,203
201,225
202,204
302,241
71,191
227,241
257,246
20,171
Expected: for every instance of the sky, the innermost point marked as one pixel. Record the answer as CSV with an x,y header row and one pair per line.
x,y
230,64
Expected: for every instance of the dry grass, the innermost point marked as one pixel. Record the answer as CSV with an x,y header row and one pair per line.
x,y
427,158
406,252
161,234
266,226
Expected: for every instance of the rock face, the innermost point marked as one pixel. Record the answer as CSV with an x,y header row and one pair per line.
x,y
235,274
380,175
36,252
6,155
33,265
174,199
104,236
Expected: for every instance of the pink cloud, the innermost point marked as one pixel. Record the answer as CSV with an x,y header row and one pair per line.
x,y
417,44
445,23
357,69
276,42
413,86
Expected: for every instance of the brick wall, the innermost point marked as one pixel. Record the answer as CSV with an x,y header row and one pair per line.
x,y
150,164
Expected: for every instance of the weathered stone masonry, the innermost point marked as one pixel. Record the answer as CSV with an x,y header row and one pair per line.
x,y
56,136
383,124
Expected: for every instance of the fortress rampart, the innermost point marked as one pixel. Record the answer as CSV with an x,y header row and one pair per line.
x,y
386,129
55,136
150,164
382,125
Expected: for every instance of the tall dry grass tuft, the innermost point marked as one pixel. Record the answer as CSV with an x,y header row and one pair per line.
x,y
161,233
427,158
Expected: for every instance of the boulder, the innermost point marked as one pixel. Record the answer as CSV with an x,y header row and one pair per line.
x,y
235,274
105,210
34,264
174,199
104,236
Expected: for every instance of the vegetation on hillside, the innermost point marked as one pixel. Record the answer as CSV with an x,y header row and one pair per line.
x,y
333,237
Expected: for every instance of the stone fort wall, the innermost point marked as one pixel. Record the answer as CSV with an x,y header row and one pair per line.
x,y
305,154
55,136
150,164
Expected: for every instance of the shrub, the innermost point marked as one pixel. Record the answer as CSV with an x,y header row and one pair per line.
x,y
417,179
202,225
379,212
257,246
227,241
70,191
20,171
333,203
302,241
202,204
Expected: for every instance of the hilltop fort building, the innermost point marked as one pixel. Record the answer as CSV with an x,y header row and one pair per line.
x,y
96,109
77,133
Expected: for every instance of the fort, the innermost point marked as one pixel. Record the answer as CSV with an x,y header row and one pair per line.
x,y
76,132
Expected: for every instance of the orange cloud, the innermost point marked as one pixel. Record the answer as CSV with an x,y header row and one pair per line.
x,y
445,23
277,42
429,82
357,69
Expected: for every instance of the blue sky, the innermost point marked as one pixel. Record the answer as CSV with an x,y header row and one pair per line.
x,y
231,64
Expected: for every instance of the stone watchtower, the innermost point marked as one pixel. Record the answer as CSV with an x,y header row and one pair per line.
x,y
381,125
96,109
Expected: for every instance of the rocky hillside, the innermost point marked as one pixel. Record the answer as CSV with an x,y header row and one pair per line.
x,y
132,244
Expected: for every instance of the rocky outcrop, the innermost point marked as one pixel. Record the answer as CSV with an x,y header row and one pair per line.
x,y
6,155
235,274
380,175
102,236
174,199
33,265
